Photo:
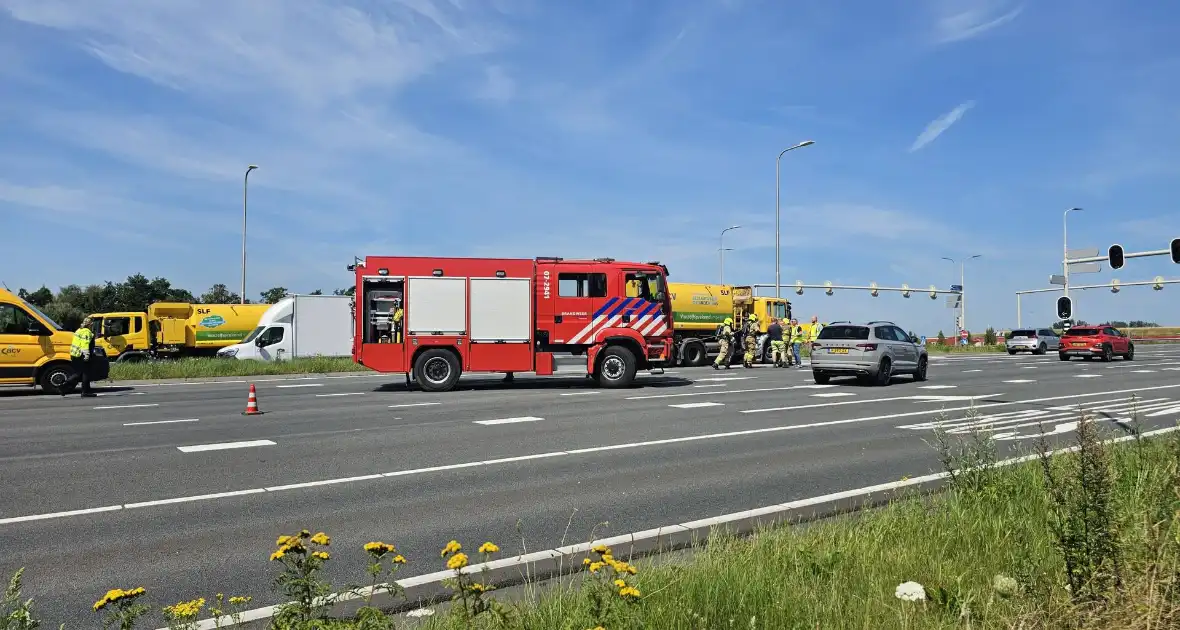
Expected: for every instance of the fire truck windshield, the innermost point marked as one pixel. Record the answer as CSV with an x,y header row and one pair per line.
x,y
647,286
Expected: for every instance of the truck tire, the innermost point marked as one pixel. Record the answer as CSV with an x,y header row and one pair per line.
x,y
437,370
131,357
616,368
693,353
54,376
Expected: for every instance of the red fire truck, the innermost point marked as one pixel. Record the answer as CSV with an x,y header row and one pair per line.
x,y
436,318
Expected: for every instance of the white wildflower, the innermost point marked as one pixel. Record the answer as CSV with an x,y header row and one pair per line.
x,y
421,612
910,592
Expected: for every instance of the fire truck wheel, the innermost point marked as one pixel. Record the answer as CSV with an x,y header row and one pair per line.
x,y
437,370
617,367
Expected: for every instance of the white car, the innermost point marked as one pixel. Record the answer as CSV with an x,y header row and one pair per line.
x,y
1034,340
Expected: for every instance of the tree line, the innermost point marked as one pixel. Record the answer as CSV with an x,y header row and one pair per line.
x,y
71,303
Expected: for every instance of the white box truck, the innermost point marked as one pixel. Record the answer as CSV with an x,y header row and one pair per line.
x,y
299,326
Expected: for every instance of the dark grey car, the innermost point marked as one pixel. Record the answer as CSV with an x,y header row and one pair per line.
x,y
873,352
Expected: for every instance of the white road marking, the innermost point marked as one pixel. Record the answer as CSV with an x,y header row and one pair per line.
x,y
1142,371
1176,369
421,404
199,497
117,394
711,385
585,393
1063,417
1086,375
816,386
832,394
340,394
223,445
937,386
1028,367
41,517
509,420
1021,380
140,424
299,385
697,405
1164,412
128,406
944,398
966,371
723,378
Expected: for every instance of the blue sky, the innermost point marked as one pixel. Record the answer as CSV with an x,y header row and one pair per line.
x,y
625,128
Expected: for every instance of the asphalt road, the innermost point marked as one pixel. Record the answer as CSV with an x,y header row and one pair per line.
x,y
140,487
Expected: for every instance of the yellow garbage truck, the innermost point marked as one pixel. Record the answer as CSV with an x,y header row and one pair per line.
x,y
177,329
699,309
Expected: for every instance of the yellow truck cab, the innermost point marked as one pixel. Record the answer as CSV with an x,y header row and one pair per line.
x,y
177,329
35,350
698,310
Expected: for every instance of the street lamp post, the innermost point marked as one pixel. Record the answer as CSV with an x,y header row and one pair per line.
x,y
245,186
721,249
1065,248
778,285
963,287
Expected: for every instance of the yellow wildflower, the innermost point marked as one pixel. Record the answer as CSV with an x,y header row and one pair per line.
x,y
479,588
452,547
457,561
239,600
277,555
595,566
379,548
629,592
117,594
601,550
183,610
398,559
322,555
321,539
304,534
284,540
586,561
488,547
620,583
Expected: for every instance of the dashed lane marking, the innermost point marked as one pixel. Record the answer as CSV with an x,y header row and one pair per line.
x,y
1087,375
509,420
140,424
937,386
340,394
1021,380
697,405
299,385
221,446
832,394
585,393
421,404
126,406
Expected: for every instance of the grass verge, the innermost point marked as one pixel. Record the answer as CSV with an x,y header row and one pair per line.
x,y
209,368
1090,539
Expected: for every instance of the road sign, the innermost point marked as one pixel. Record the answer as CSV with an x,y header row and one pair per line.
x,y
1091,267
952,301
962,334
956,287
1081,253
1057,279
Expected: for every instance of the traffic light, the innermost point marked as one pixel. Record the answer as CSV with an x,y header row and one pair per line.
x,y
1064,307
1115,256
1176,250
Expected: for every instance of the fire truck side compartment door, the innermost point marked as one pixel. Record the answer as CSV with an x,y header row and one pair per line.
x,y
436,306
501,310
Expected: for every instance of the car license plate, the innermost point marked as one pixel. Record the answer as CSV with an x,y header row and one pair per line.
x,y
838,350
1078,344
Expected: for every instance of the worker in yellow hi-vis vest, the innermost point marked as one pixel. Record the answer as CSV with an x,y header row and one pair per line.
x,y
81,349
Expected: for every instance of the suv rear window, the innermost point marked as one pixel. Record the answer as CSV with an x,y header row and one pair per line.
x,y
1081,332
839,331
1024,333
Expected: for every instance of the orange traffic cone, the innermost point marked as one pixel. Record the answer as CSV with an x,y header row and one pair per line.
x,y
252,403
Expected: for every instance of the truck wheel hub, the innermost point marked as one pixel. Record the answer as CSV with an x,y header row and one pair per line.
x,y
613,367
437,369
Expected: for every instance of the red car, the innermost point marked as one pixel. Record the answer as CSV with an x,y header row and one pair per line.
x,y
1095,341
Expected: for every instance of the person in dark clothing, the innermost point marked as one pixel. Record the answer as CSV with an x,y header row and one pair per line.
x,y
81,349
778,348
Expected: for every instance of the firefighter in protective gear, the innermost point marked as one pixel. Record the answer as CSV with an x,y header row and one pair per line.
x,y
724,342
81,349
751,340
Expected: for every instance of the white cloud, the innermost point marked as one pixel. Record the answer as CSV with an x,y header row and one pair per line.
x,y
939,125
966,19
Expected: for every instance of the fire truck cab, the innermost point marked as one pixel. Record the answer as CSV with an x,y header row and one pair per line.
x,y
437,318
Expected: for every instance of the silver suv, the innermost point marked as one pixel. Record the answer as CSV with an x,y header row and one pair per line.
x,y
873,352
1035,340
